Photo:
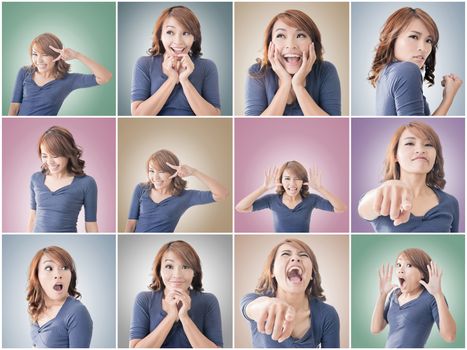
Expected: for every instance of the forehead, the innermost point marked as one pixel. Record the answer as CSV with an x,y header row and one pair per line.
x,y
281,24
290,246
409,132
417,25
37,48
170,255
403,258
172,22
47,259
289,172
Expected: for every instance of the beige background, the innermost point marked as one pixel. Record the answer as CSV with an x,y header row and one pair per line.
x,y
332,253
251,20
205,144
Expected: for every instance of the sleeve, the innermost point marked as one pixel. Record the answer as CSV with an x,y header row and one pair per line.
x,y
79,81
386,307
330,90
18,90
210,90
33,204
455,214
434,310
407,90
199,197
331,328
247,299
135,202
90,201
321,203
140,321
80,328
213,322
256,100
263,202
141,82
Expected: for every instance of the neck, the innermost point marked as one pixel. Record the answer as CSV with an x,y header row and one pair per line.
x,y
298,300
45,75
60,175
413,293
49,303
164,191
416,181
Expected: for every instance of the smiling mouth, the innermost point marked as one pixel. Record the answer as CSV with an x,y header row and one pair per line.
x,y
178,50
294,274
58,287
292,59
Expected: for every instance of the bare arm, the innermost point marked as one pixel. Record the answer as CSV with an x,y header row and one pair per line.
x,y
156,338
451,84
307,104
130,225
91,226
31,220
14,108
270,181
194,335
153,105
314,181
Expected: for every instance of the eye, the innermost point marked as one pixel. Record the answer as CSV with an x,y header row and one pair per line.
x,y
285,254
186,33
429,41
280,36
409,143
186,267
64,268
303,255
48,268
398,265
151,171
409,265
169,32
413,36
429,145
301,35
169,266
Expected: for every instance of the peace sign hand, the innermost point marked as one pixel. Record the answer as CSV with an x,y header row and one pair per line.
x,y
181,170
65,54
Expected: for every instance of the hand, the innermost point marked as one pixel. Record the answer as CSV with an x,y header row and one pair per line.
x,y
451,84
385,279
186,67
277,319
394,198
170,67
308,59
271,178
434,283
314,178
170,303
275,58
185,305
65,54
181,170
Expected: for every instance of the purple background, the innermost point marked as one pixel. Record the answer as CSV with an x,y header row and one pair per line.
x,y
263,143
370,138
20,160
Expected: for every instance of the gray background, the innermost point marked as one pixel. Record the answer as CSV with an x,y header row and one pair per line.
x,y
94,257
135,257
135,24
367,21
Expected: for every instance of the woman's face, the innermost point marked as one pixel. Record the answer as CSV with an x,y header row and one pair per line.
x,y
54,278
415,155
43,62
408,275
175,37
291,43
159,178
55,165
175,273
414,43
291,182
292,269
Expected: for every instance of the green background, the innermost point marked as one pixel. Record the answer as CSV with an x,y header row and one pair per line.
x,y
370,252
86,27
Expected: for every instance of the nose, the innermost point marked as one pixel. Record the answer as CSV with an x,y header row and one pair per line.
x,y
295,259
423,46
58,275
178,39
291,43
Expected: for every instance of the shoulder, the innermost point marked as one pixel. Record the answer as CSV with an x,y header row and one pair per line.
x,y
145,62
74,307
402,70
145,297
205,62
140,188
254,69
24,71
327,67
86,179
204,297
37,176
446,197
327,311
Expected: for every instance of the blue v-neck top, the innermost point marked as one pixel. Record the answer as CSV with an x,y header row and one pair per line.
x,y
292,220
71,328
57,211
46,99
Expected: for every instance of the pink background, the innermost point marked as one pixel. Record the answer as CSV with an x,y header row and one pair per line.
x,y
20,160
263,143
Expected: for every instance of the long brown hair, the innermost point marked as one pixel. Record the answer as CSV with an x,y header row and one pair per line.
x,y
42,44
419,259
394,25
187,19
60,142
299,170
189,256
267,284
392,171
35,293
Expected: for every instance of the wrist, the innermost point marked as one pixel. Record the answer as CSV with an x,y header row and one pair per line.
x,y
79,56
183,317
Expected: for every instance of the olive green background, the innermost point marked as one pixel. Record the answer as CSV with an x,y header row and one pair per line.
x,y
86,27
370,252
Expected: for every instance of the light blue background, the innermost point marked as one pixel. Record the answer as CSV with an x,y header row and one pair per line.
x,y
367,22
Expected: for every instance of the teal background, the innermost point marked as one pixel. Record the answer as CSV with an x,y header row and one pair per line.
x,y
135,24
370,252
85,27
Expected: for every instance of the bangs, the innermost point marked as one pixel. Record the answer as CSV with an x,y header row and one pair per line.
x,y
54,146
294,22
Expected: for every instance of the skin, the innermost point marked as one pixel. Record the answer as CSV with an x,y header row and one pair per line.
x,y
288,313
57,178
292,185
177,66
50,273
45,65
163,186
411,286
399,198
291,54
414,44
177,277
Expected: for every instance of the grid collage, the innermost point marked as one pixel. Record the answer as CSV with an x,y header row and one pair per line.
x,y
233,174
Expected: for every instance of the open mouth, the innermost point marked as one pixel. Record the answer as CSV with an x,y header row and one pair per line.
x,y
58,287
178,50
294,274
292,59
402,282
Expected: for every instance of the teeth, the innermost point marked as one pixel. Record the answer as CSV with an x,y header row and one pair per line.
x,y
291,55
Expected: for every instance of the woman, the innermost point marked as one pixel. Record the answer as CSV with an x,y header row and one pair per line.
x,y
292,204
420,289
174,79
411,197
42,87
288,308
404,59
61,188
176,313
158,204
59,319
292,78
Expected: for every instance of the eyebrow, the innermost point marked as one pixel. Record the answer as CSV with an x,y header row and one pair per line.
x,y
419,33
169,26
168,260
48,261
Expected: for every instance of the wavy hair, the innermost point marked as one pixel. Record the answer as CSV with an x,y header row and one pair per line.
x,y
419,259
35,293
394,25
42,44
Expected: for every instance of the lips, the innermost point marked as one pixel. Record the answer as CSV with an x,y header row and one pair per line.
x,y
294,274
58,287
178,50
402,282
292,58
420,158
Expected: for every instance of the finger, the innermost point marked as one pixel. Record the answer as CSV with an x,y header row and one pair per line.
x,y
261,322
391,270
59,57
378,200
278,322
404,216
406,200
288,324
430,271
386,202
424,284
175,174
268,327
395,205
55,49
